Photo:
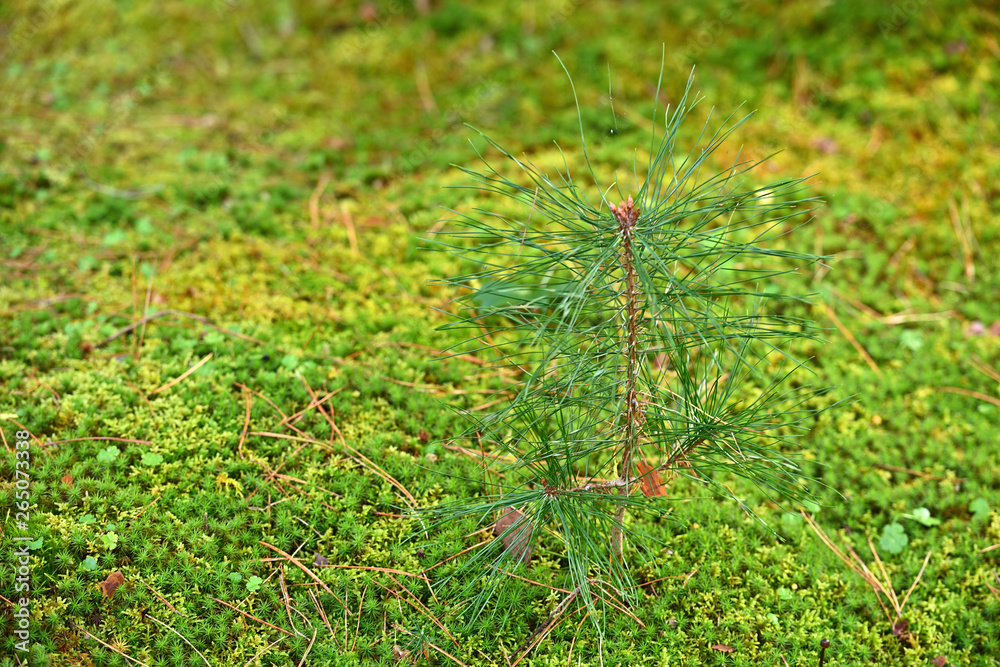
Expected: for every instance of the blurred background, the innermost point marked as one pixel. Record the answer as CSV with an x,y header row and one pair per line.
x,y
189,104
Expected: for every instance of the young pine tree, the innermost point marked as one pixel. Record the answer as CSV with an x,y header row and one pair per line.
x,y
647,333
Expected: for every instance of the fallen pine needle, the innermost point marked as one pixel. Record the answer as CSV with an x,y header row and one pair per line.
x,y
295,561
107,646
973,394
378,569
160,597
240,611
100,437
432,645
262,652
854,341
309,648
183,375
153,618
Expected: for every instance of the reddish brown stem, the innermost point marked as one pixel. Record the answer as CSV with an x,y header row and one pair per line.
x,y
627,215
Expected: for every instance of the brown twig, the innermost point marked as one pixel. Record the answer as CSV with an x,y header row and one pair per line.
x,y
251,616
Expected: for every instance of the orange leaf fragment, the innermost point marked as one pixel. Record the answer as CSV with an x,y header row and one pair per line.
x,y
725,648
518,541
652,485
111,584
67,480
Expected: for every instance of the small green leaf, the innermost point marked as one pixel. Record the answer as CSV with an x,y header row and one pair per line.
x,y
108,454
110,540
790,521
114,237
144,225
253,583
151,459
290,361
785,594
89,564
36,544
87,519
980,509
911,339
922,515
811,507
894,538
214,338
235,577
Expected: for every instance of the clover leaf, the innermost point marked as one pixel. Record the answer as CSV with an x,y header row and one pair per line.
x,y
980,509
151,459
108,454
894,538
110,540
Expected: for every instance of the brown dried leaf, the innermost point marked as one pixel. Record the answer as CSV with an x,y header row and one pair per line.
x,y
399,652
652,485
111,584
67,480
940,661
725,648
518,541
320,560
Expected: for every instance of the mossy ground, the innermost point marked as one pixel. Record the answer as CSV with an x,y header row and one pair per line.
x,y
273,166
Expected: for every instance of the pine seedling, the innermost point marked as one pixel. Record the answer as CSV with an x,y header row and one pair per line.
x,y
649,337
